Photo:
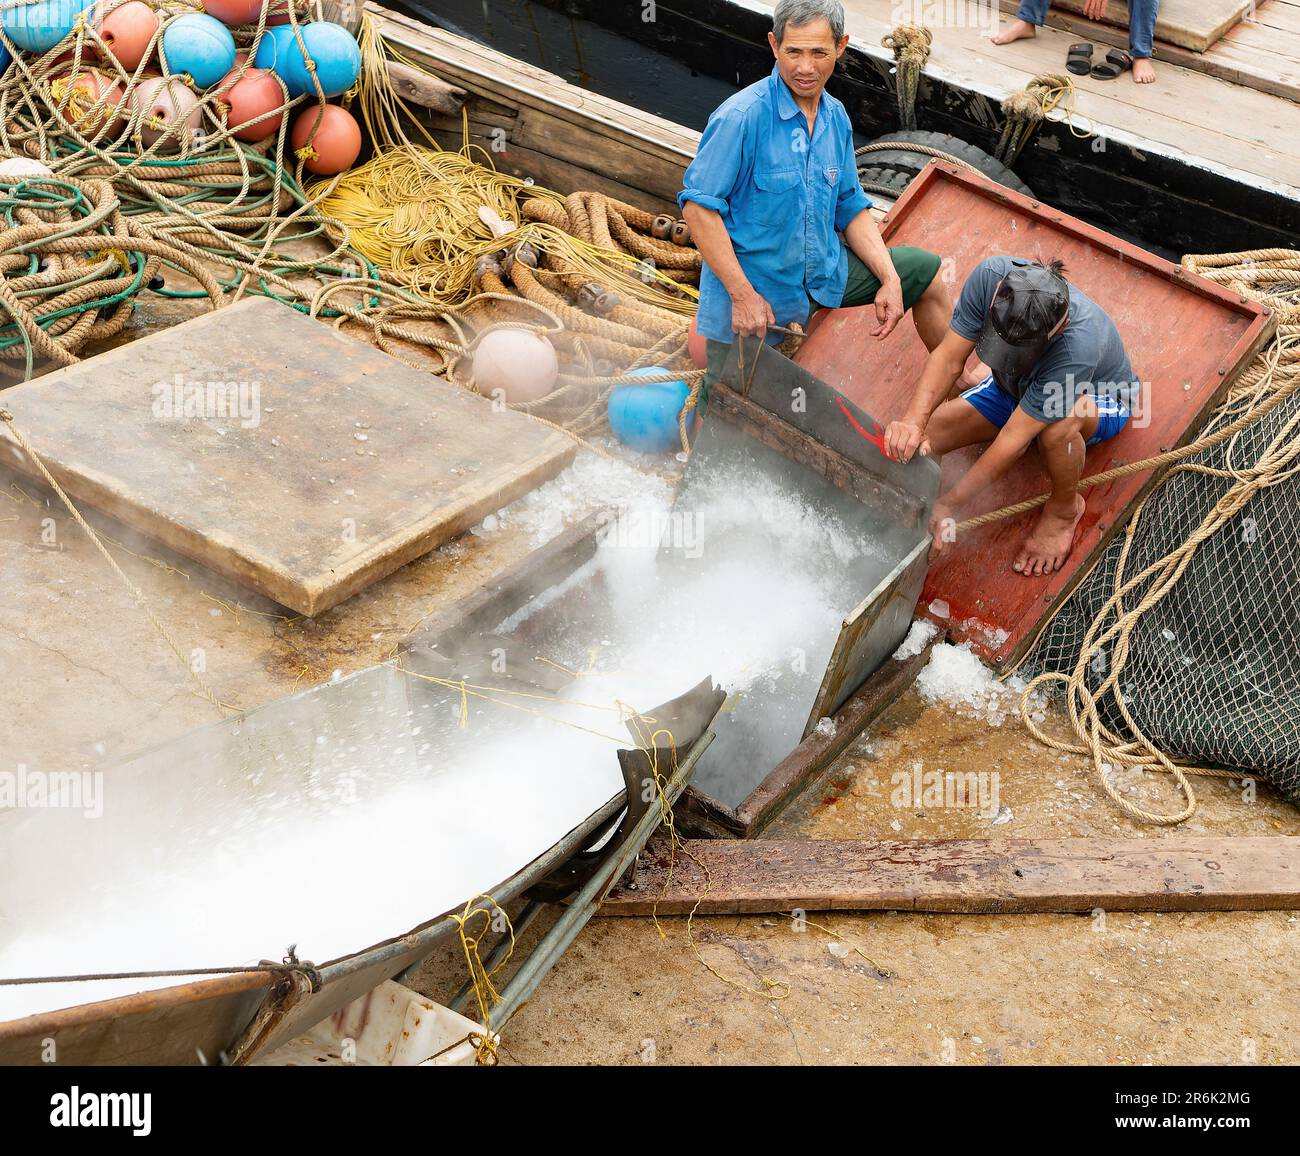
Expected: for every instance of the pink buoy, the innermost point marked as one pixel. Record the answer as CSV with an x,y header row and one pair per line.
x,y
161,102
234,13
698,348
335,140
255,93
128,31
81,93
520,364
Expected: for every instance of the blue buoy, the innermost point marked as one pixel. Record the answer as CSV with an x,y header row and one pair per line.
x,y
335,53
269,47
645,417
200,46
39,27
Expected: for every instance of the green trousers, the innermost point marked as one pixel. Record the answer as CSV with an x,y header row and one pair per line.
x,y
916,269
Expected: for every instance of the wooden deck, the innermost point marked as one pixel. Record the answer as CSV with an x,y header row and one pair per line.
x,y
1221,126
1261,52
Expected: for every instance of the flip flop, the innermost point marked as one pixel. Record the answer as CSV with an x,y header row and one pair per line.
x,y
1116,62
1079,59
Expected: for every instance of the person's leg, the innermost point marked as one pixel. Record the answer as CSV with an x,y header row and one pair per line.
x,y
924,295
1029,16
1141,37
957,423
1063,445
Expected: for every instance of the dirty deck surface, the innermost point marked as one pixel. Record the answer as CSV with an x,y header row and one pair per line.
x,y
88,681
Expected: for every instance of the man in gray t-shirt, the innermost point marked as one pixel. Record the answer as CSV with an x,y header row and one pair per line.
x,y
1058,375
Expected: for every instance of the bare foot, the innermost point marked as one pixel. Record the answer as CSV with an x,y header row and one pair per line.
x,y
1016,30
1144,72
1050,541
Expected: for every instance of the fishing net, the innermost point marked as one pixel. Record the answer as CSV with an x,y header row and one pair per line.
x,y
1182,646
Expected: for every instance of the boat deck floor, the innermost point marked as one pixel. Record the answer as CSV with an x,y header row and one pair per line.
x,y
1262,51
1187,113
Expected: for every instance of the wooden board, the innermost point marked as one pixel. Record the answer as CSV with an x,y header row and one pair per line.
x,y
562,132
1194,24
1186,338
1252,54
351,465
1163,873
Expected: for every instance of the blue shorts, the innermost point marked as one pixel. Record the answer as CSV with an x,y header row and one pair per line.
x,y
996,406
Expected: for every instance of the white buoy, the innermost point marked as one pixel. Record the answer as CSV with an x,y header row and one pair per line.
x,y
520,364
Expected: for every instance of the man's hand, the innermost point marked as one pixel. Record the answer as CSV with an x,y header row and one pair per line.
x,y
1094,9
889,309
943,527
751,314
904,437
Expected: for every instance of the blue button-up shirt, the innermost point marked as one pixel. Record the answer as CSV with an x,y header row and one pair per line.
x,y
784,199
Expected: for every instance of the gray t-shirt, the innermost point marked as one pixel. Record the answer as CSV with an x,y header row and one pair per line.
x,y
1087,356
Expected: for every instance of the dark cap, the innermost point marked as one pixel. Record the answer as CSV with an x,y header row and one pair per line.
x,y
1029,303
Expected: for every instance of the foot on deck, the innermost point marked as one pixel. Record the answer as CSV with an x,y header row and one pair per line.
x,y
1144,72
1016,30
1050,541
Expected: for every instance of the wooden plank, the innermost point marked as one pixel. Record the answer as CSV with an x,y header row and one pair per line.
x,y
417,87
970,876
1242,57
482,70
1186,339
1284,14
341,465
1194,24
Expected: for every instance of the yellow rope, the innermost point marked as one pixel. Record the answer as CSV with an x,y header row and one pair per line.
x,y
485,992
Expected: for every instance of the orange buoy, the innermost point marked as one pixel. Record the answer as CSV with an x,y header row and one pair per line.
x,y
82,91
254,94
335,141
128,31
519,363
162,102
233,13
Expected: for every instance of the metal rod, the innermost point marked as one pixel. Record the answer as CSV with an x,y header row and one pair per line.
x,y
460,1001
534,969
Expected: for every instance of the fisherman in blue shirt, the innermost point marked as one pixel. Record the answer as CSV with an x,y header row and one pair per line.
x,y
771,190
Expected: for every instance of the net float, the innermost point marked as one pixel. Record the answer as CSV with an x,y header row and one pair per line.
x,y
39,27
255,94
128,31
681,233
661,228
270,46
199,46
82,91
521,364
646,417
335,141
332,50
234,13
165,104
